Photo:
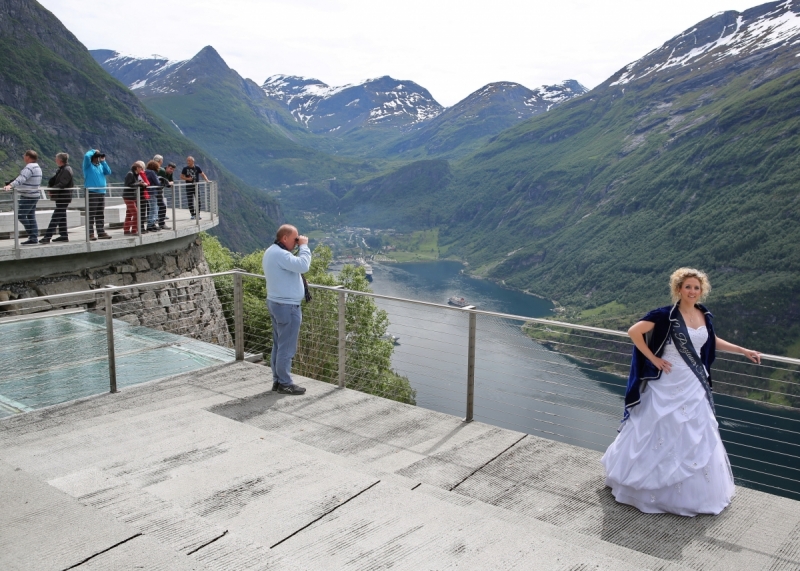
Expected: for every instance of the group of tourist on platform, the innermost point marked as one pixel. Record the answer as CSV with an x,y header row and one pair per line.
x,y
144,181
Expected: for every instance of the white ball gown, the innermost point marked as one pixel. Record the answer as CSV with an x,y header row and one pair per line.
x,y
668,457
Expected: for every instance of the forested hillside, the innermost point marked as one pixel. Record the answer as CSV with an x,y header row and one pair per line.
x,y
689,156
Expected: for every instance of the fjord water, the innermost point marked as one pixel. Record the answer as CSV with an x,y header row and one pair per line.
x,y
521,385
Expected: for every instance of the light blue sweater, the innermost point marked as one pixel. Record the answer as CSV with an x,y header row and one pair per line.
x,y
94,175
282,270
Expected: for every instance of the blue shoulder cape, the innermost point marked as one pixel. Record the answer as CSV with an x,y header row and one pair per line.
x,y
642,370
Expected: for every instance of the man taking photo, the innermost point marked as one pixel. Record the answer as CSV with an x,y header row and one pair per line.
x,y
285,291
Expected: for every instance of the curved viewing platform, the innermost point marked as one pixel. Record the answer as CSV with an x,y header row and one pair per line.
x,y
179,222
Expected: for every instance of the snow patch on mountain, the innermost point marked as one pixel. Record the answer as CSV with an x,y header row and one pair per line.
x,y
777,27
379,100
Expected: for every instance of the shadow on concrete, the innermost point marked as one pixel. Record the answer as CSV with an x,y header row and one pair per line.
x,y
661,535
245,409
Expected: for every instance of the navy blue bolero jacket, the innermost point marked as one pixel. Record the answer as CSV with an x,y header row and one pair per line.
x,y
643,371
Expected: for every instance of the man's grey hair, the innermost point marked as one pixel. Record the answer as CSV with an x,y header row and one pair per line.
x,y
63,157
158,159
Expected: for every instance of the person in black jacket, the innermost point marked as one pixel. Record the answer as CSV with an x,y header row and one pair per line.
x,y
133,184
61,184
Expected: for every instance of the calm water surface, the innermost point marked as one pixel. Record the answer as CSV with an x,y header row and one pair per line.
x,y
522,386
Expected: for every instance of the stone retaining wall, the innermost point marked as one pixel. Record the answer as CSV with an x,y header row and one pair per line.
x,y
189,307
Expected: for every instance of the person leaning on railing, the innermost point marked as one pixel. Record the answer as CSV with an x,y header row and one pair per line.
x,y
95,171
27,185
191,174
165,179
60,185
132,185
153,189
286,288
668,456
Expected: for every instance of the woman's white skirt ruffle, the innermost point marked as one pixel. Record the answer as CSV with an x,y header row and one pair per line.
x,y
669,457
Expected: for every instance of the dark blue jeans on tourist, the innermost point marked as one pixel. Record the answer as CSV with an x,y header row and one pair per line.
x,y
152,209
286,320
26,214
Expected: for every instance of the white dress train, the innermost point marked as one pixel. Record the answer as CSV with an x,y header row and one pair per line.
x,y
668,457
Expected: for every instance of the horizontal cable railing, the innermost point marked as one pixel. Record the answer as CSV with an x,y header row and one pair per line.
x,y
95,212
558,380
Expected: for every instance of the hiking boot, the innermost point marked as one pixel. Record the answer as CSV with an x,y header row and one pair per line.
x,y
30,242
104,236
291,390
92,237
275,385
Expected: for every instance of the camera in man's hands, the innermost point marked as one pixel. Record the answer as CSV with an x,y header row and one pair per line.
x,y
98,155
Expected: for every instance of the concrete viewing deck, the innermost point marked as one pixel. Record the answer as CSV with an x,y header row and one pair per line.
x,y
211,470
78,245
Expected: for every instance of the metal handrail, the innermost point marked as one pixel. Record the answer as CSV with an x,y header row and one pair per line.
x,y
563,324
209,194
551,322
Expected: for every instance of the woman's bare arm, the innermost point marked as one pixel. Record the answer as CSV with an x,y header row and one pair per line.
x,y
637,332
723,345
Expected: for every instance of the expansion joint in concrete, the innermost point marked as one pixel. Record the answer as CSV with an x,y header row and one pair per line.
x,y
207,543
330,511
482,466
106,550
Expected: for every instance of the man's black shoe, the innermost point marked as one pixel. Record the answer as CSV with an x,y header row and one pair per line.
x,y
275,385
291,390
45,240
61,239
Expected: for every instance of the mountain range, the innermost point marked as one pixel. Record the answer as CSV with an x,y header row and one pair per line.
x,y
377,118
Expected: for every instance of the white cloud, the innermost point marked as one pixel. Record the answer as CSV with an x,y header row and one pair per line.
x,y
450,47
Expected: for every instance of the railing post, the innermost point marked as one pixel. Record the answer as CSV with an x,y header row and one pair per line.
x,y
342,339
174,221
15,214
238,316
112,361
86,212
473,327
139,214
213,200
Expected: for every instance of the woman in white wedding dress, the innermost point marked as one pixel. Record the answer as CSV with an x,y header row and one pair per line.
x,y
668,456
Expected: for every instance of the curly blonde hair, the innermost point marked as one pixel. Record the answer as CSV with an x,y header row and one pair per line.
x,y
681,275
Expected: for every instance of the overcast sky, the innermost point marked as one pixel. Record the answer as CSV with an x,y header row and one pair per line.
x,y
449,47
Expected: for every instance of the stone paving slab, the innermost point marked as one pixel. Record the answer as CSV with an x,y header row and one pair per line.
x,y
44,529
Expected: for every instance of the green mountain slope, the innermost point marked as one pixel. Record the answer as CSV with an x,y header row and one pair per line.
x,y
664,165
54,97
468,125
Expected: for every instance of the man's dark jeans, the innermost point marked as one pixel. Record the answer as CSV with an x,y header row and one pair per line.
x,y
58,223
97,214
286,320
191,194
26,214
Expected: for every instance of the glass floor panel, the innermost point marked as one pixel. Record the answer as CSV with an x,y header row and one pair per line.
x,y
50,360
